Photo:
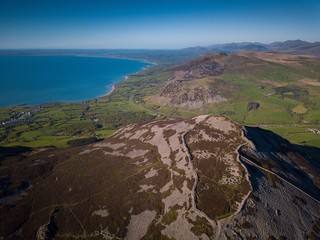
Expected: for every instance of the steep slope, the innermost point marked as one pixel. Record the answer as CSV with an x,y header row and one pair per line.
x,y
285,190
202,178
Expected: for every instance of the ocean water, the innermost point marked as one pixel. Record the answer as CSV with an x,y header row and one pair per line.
x,y
40,79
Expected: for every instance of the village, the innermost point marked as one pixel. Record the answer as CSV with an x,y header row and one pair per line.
x,y
21,117
316,131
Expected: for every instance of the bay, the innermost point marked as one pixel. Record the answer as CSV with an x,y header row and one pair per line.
x,y
41,79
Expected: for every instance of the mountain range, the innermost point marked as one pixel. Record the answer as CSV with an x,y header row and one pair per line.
x,y
169,57
290,46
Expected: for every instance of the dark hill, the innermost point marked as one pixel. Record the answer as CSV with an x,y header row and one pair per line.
x,y
200,67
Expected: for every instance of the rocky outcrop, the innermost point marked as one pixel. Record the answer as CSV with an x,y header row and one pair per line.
x,y
252,106
199,68
178,95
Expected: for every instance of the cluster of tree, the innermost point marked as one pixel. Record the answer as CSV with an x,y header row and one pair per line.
x,y
118,120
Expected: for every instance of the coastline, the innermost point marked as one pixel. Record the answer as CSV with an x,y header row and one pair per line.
x,y
107,93
113,87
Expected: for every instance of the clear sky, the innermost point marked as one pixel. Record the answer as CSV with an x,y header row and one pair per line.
x,y
155,23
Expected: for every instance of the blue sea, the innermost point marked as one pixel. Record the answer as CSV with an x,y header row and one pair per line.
x,y
41,79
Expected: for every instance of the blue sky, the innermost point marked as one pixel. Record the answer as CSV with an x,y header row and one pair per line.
x,y
154,24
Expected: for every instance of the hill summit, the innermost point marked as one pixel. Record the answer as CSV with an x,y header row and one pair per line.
x,y
202,178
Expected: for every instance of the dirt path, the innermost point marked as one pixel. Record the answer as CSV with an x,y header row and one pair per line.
x,y
213,223
266,170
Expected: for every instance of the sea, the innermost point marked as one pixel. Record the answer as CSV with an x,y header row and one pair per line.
x,y
34,80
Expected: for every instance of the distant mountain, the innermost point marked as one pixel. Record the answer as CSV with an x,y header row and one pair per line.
x,y
295,46
227,48
290,46
237,47
287,44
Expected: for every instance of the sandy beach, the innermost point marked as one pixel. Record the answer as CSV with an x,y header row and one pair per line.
x,y
112,89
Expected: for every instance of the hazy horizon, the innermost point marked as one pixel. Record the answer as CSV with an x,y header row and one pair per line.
x,y
112,24
155,49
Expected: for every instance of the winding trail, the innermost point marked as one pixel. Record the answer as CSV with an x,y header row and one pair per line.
x,y
212,222
215,224
244,199
248,161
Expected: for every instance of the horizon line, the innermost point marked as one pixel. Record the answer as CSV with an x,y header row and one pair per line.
x,y
154,49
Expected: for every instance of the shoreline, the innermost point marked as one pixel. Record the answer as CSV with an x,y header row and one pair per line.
x,y
108,93
113,87
111,91
80,55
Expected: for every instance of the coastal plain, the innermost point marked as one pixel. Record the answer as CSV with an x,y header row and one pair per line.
x,y
286,87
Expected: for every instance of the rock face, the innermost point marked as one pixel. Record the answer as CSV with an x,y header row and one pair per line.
x,y
178,94
253,106
203,178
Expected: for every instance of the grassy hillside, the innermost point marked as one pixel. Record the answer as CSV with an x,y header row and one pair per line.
x,y
285,86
